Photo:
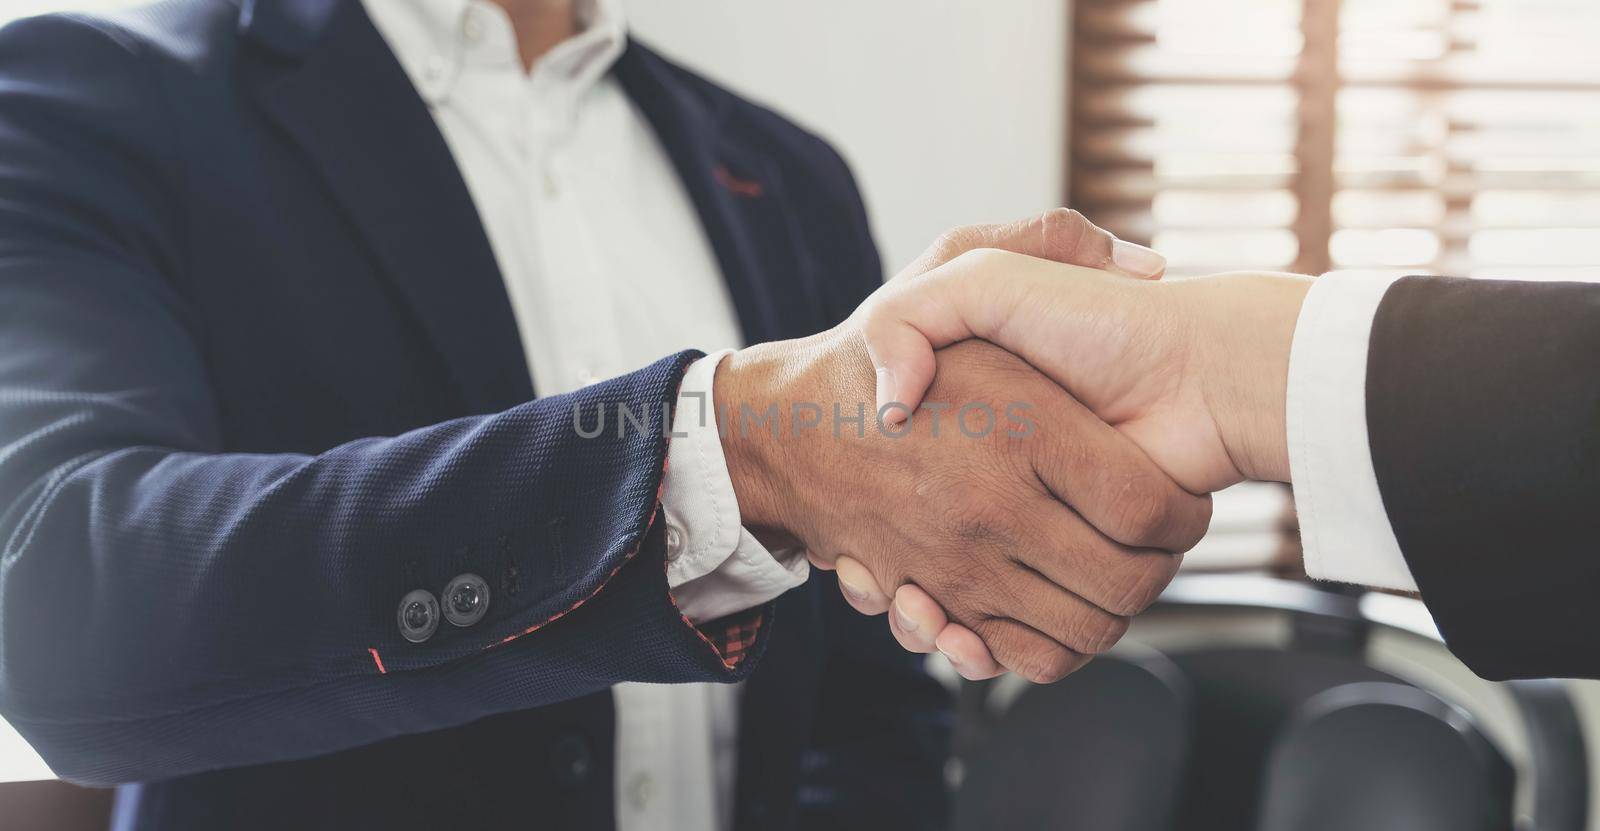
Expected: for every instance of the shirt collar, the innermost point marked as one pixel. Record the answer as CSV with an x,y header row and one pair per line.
x,y
435,39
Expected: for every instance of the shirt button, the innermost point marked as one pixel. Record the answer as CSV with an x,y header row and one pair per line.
x,y
552,188
466,600
418,615
586,376
571,760
472,27
674,541
641,789
435,68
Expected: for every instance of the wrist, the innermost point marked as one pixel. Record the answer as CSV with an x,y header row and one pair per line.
x,y
1246,337
749,384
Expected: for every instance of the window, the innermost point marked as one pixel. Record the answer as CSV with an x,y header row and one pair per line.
x,y
1429,136
16,9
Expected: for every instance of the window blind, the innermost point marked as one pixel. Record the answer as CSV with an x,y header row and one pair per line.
x,y
1429,136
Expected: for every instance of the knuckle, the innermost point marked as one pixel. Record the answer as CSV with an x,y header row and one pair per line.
x,y
977,514
1142,582
957,241
1062,219
1140,514
1065,233
874,313
958,587
985,261
1189,527
1098,633
1047,666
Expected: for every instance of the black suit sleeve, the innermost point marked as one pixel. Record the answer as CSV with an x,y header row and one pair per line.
x,y
1483,410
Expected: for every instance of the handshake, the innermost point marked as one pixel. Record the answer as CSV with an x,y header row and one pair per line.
x,y
1012,443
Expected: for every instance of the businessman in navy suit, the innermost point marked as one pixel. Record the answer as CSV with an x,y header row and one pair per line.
x,y
291,542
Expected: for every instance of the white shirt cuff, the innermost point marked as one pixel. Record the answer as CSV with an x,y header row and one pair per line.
x,y
1344,529
714,566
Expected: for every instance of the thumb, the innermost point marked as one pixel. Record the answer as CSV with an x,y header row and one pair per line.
x,y
905,321
901,352
903,360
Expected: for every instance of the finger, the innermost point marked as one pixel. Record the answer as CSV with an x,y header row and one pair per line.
x,y
1027,651
859,587
1135,260
966,653
1059,234
818,562
1111,482
1072,554
915,618
1070,620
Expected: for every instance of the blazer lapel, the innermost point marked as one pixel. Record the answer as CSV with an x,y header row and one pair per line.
x,y
336,89
739,194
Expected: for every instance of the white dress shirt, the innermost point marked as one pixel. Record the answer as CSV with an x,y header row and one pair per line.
x,y
1344,529
607,269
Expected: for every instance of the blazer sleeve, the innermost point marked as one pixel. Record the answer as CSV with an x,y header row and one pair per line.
x,y
1483,408
168,608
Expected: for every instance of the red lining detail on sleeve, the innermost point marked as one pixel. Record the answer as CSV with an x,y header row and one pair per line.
x,y
735,634
377,660
582,600
748,188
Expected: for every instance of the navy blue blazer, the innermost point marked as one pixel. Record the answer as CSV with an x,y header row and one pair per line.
x,y
259,378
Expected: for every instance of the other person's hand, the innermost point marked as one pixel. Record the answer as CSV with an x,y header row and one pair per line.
x,y
1194,371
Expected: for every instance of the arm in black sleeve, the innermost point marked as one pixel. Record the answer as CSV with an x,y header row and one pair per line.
x,y
1483,409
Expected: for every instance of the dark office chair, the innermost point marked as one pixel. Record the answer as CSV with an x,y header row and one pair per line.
x,y
1252,712
1384,757
1039,768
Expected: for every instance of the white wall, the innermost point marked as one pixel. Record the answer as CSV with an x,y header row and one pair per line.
x,y
950,111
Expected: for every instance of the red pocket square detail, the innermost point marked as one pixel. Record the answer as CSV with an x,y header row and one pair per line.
x,y
748,188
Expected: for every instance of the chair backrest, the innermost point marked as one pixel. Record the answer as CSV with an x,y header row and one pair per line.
x,y
1380,756
1105,751
1335,623
1193,742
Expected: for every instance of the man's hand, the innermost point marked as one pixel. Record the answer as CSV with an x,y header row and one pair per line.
x,y
1195,372
971,506
1060,235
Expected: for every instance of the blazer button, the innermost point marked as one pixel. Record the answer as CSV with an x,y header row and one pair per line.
x,y
572,760
418,615
466,599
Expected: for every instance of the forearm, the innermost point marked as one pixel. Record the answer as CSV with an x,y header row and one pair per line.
x,y
243,589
